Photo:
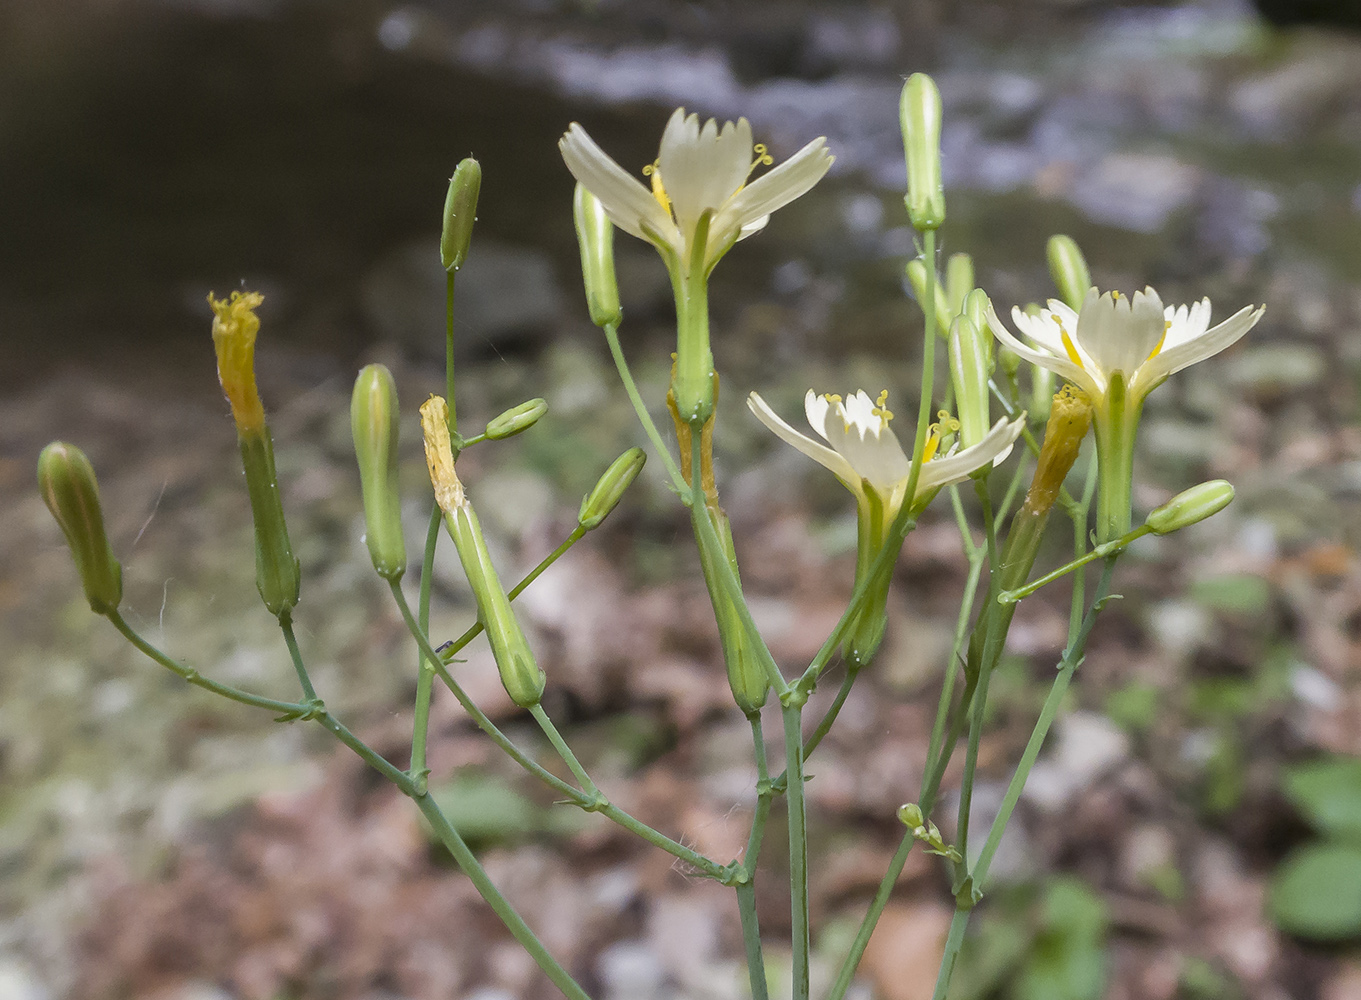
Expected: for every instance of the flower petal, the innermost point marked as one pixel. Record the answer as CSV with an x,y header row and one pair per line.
x,y
854,429
626,201
1207,345
1057,365
776,188
994,447
819,453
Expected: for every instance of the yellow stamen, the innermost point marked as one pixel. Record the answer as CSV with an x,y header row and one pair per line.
x,y
832,397
945,426
881,409
439,454
1167,325
1068,344
654,170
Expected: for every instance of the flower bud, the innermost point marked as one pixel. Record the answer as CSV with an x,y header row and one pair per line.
x,y
609,489
520,673
976,308
235,327
516,419
910,815
920,113
67,482
958,281
373,423
1069,270
747,677
969,373
460,212
916,276
595,235
1190,506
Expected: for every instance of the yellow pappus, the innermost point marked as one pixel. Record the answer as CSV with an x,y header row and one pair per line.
x,y
235,325
68,485
373,424
520,673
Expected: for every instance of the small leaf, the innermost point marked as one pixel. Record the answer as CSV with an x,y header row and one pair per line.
x,y
1328,793
1316,892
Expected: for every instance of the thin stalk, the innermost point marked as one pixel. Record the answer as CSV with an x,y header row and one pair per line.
x,y
1104,550
466,860
370,756
477,715
1072,657
726,874
630,387
453,648
764,795
928,366
449,354
425,668
564,751
287,709
957,647
829,717
309,693
800,940
953,942
862,937
751,939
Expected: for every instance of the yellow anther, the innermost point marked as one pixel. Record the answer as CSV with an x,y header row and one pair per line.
x,y
654,170
763,158
1115,296
881,409
832,397
1068,344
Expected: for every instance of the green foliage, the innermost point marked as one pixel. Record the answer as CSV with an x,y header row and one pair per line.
x,y
1316,892
1328,794
1134,707
1234,593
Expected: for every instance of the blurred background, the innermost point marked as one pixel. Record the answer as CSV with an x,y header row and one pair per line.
x,y
1194,828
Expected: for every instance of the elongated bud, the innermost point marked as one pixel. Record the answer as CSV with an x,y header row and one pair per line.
x,y
969,373
373,423
976,308
958,281
520,673
920,113
460,212
1070,415
595,236
609,488
235,326
67,481
516,419
1190,506
746,673
1069,270
916,276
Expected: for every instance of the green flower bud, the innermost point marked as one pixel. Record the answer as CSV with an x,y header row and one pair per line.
x,y
277,574
920,113
958,281
373,422
910,815
460,212
916,276
67,482
610,487
516,419
969,373
747,677
520,673
1190,506
976,308
595,235
1069,270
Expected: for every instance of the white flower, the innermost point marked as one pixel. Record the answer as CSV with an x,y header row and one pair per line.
x,y
699,172
864,452
1136,337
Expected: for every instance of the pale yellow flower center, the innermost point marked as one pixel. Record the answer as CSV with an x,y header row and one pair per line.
x,y
944,427
654,171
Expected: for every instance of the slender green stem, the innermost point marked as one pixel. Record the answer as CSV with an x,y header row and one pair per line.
x,y
928,366
425,668
980,697
764,794
1072,656
829,717
449,354
1104,550
881,895
466,860
308,692
729,874
476,714
288,709
800,940
956,649
751,939
564,751
370,756
631,388
953,942
453,648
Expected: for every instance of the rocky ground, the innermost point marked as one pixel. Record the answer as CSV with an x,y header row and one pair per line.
x,y
159,843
